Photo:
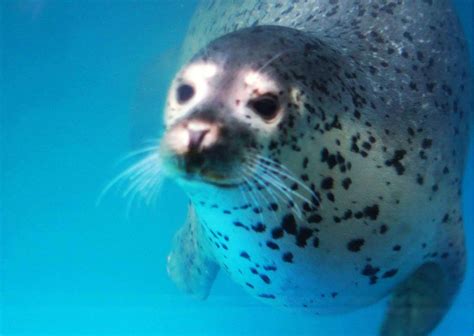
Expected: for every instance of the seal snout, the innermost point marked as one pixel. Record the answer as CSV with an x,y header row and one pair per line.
x,y
200,134
197,149
193,137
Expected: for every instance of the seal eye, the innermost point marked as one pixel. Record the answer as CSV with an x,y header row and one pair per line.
x,y
265,106
184,93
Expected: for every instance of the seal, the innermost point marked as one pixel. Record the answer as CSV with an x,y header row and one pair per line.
x,y
322,146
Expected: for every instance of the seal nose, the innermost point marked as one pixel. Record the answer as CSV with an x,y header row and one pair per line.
x,y
200,135
196,138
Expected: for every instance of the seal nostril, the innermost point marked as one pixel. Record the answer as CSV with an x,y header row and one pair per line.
x,y
196,138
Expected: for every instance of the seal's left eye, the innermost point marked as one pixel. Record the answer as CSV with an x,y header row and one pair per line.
x,y
265,106
184,93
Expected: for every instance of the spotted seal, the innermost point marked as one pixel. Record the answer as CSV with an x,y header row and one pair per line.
x,y
322,145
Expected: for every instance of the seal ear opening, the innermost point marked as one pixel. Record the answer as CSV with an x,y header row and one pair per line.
x,y
295,96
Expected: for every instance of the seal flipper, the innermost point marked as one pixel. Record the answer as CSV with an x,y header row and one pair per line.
x,y
189,266
421,301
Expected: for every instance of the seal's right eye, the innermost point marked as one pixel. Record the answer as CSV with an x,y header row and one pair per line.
x,y
266,106
184,93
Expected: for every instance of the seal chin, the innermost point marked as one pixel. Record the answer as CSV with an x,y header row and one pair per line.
x,y
201,170
224,184
210,177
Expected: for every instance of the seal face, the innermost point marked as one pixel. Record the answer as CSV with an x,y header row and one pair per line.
x,y
313,159
220,108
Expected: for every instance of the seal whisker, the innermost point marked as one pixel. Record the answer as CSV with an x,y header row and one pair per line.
x,y
119,179
272,172
268,161
147,184
250,173
270,61
266,187
276,183
130,202
155,188
143,178
137,152
244,196
278,167
252,195
260,187
150,183
273,59
279,185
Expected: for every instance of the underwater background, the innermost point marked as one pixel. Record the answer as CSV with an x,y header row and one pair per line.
x,y
79,81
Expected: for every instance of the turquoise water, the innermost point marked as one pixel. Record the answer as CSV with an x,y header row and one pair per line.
x,y
77,79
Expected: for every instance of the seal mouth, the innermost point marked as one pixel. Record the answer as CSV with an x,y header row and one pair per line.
x,y
226,185
203,170
205,151
208,177
219,166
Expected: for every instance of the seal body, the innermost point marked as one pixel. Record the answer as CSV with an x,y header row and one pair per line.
x,y
322,145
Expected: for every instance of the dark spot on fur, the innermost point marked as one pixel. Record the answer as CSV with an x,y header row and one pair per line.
x,y
327,183
267,296
426,143
355,244
316,242
315,218
245,255
277,233
265,278
239,224
304,234
390,273
289,224
272,245
395,161
346,183
259,227
372,211
287,257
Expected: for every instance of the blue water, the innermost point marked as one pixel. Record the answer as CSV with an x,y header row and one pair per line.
x,y
76,79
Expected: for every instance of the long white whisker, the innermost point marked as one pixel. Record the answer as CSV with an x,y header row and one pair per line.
x,y
280,184
266,187
254,199
119,178
275,182
286,173
143,178
138,152
271,60
274,174
244,196
155,187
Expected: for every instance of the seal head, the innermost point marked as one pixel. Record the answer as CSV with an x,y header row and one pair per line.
x,y
231,98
